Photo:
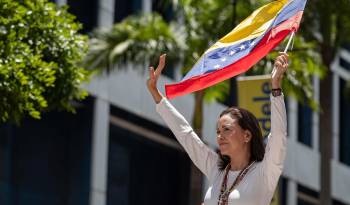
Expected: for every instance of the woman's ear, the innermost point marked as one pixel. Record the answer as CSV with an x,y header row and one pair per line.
x,y
247,136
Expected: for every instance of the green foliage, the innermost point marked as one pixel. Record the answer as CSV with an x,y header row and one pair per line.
x,y
305,62
327,24
39,54
136,39
218,92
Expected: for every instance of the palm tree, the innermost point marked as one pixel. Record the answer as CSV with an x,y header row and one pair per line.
x,y
196,25
136,39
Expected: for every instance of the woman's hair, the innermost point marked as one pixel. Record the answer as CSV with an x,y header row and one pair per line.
x,y
247,121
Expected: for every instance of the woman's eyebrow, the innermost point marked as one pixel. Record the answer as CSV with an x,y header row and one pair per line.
x,y
227,125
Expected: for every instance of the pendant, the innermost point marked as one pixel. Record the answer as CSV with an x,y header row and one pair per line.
x,y
235,194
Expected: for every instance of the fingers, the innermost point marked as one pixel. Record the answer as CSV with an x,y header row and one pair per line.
x,y
154,74
283,57
278,63
161,65
151,73
285,66
281,62
281,65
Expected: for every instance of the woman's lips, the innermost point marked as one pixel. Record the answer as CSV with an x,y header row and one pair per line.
x,y
222,144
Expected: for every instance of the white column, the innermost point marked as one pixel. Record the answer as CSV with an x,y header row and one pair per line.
x,y
105,13
292,137
61,2
335,116
316,115
292,119
99,158
146,6
292,195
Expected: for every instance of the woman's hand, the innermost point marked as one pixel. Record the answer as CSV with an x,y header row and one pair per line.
x,y
280,67
153,78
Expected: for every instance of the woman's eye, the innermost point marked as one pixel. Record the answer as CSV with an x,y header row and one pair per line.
x,y
226,129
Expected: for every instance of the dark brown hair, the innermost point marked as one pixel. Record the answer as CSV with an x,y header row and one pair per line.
x,y
247,121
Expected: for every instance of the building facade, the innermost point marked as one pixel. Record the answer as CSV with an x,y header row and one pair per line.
x,y
117,150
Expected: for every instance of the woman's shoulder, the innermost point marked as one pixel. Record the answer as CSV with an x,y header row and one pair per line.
x,y
256,169
216,173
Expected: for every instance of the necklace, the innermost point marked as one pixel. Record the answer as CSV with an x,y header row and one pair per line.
x,y
224,192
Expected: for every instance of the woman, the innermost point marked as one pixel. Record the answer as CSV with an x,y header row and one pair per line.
x,y
244,172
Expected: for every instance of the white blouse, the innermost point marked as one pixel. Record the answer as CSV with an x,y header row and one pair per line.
x,y
258,185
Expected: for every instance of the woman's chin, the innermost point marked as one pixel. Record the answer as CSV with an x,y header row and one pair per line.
x,y
223,151
223,147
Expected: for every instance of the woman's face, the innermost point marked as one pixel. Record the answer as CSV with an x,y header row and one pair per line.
x,y
231,137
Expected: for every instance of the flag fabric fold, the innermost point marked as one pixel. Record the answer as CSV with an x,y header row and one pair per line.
x,y
244,46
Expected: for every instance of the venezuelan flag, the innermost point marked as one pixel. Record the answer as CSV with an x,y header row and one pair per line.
x,y
244,46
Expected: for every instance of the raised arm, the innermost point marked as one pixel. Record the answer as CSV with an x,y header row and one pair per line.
x,y
272,164
201,155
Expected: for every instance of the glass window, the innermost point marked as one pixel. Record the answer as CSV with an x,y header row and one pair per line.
x,y
86,13
344,64
5,171
164,8
47,161
344,131
305,124
336,202
284,190
307,196
169,71
280,195
124,8
286,102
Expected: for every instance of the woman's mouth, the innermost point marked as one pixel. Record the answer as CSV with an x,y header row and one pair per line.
x,y
222,144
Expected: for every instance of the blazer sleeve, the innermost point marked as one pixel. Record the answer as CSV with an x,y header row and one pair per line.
x,y
200,154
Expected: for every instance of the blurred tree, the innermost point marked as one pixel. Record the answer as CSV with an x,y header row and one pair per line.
x,y
39,54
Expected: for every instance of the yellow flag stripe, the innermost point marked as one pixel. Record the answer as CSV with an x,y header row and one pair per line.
x,y
253,26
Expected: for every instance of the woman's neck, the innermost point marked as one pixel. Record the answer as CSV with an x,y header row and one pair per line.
x,y
240,161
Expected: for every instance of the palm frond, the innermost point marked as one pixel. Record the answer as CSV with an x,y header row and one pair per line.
x,y
136,39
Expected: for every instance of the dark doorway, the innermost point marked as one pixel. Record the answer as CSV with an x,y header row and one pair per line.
x,y
145,172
